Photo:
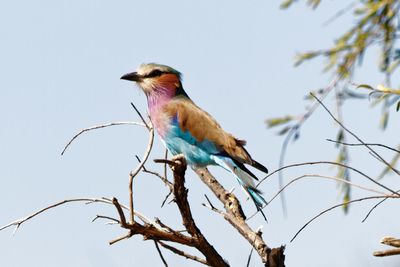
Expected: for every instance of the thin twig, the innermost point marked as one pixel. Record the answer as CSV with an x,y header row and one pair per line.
x,y
355,136
329,163
319,176
374,207
336,206
166,198
160,254
141,117
162,178
133,173
165,165
99,127
249,258
126,236
183,254
368,144
209,202
19,222
296,128
329,178
106,218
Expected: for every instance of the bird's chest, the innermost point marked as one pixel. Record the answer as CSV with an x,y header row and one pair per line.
x,y
162,122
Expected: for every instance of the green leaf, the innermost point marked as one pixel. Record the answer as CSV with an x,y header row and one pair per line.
x,y
286,4
278,121
346,199
366,86
398,106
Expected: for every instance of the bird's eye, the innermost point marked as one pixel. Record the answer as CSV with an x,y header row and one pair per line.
x,y
154,73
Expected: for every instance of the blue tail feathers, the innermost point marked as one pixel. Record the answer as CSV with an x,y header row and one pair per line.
x,y
245,179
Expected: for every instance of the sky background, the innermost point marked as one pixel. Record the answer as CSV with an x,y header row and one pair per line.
x,y
61,62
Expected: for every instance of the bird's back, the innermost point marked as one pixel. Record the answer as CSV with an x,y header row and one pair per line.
x,y
199,128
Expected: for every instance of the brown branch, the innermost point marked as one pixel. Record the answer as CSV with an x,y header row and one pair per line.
x,y
178,166
235,216
99,127
391,241
389,252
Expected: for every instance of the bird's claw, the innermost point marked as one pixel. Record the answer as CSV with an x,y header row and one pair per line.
x,y
179,159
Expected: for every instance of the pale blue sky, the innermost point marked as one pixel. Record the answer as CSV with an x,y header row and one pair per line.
x,y
60,64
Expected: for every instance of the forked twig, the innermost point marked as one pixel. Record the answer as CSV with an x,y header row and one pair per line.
x,y
99,127
356,137
336,206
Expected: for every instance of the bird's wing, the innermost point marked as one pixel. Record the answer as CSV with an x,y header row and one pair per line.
x,y
205,130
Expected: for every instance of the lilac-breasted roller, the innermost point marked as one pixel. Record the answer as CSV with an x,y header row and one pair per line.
x,y
187,129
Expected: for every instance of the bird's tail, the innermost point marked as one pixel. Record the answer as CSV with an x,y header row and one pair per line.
x,y
245,180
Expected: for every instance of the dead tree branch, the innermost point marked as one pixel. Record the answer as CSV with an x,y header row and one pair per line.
x,y
356,137
235,216
336,206
180,192
100,127
390,241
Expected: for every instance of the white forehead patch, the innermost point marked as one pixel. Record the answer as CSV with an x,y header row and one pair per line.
x,y
145,69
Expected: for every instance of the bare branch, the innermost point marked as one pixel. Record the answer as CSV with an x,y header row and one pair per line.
x,y
391,241
183,254
100,127
19,222
336,206
133,173
329,163
368,144
162,178
235,216
160,254
105,217
120,212
126,236
329,178
249,258
356,137
178,165
141,117
389,252
374,207
296,128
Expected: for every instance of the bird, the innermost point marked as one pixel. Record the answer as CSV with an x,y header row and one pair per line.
x,y
187,129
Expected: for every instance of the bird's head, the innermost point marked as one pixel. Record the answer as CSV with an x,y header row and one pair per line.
x,y
156,78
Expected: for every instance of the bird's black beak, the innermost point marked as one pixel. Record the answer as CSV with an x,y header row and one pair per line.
x,y
133,76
